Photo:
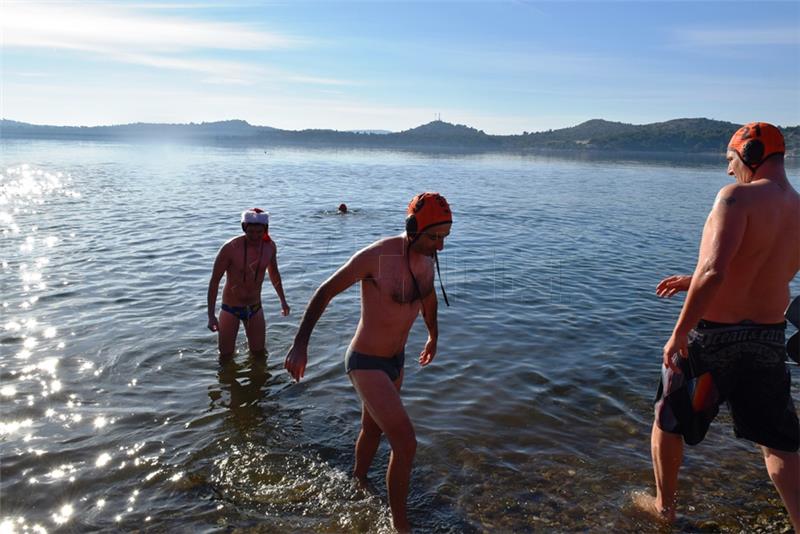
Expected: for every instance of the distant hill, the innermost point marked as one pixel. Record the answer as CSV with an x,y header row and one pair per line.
x,y
583,132
445,135
682,135
690,136
231,128
443,129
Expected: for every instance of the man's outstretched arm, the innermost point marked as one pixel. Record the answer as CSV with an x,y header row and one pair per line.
x,y
357,268
671,285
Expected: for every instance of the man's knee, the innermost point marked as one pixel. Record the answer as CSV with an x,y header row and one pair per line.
x,y
226,346
370,429
405,446
256,339
257,348
778,462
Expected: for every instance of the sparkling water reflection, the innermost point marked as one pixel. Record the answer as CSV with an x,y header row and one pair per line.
x,y
114,413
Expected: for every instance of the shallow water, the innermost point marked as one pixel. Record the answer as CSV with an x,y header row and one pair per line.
x,y
534,416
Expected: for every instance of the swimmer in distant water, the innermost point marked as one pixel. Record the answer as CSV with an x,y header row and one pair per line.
x,y
342,208
728,343
396,276
244,261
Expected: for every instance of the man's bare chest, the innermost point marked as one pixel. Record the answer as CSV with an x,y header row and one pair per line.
x,y
402,287
249,266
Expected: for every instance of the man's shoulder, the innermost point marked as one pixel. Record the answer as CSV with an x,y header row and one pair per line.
x,y
393,245
756,197
737,194
734,188
758,189
231,243
376,254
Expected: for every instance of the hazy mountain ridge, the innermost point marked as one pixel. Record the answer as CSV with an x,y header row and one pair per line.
x,y
9,128
686,135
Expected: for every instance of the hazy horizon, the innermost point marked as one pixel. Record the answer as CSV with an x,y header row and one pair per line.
x,y
357,130
503,67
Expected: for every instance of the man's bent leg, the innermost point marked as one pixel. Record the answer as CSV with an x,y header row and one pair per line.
x,y
228,328
382,401
369,438
784,471
667,451
256,329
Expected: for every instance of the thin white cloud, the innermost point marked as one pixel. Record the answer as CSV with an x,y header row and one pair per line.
x,y
28,74
182,6
789,36
221,69
131,36
99,27
216,80
315,80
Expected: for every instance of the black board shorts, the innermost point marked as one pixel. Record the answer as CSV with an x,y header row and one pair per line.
x,y
741,364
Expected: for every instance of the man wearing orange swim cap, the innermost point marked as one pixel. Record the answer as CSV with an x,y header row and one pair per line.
x,y
728,343
396,276
244,261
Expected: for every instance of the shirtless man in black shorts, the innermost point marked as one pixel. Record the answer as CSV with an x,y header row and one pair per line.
x,y
728,342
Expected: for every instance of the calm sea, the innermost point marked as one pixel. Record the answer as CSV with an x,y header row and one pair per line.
x,y
535,415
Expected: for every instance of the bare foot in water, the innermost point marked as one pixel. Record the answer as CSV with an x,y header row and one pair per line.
x,y
363,484
646,504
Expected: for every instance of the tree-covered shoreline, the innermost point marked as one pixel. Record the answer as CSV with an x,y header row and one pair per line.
x,y
685,136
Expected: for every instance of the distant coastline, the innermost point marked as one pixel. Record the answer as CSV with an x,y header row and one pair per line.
x,y
679,136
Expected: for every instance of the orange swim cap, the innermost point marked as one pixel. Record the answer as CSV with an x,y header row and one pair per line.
x,y
755,142
426,210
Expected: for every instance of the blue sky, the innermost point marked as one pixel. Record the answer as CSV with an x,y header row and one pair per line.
x,y
501,66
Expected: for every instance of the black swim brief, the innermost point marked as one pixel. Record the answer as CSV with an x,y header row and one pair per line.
x,y
392,366
742,364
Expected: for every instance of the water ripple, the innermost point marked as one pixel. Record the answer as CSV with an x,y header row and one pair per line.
x,y
534,416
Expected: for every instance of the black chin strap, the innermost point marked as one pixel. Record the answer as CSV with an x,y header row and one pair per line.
x,y
258,267
441,285
414,278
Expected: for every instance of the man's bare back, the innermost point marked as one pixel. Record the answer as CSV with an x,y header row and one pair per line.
x,y
756,285
730,332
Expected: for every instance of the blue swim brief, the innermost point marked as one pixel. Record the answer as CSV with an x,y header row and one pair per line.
x,y
243,312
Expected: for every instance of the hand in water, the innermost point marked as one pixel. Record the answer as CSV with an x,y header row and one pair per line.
x,y
295,362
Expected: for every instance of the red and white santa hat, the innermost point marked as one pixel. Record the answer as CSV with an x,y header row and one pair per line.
x,y
255,216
